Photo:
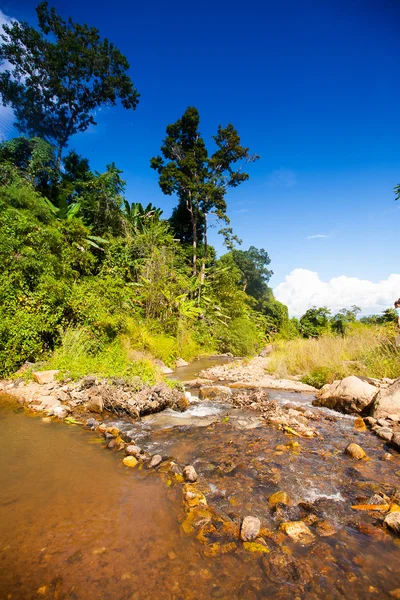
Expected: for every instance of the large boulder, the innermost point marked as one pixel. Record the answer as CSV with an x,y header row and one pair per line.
x,y
350,395
387,402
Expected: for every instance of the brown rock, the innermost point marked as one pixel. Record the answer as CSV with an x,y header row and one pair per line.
x,y
279,498
355,451
132,450
350,395
95,404
221,392
250,529
298,532
154,461
392,521
189,474
43,377
359,424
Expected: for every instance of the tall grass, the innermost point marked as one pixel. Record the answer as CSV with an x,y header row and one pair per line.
x,y
365,350
78,356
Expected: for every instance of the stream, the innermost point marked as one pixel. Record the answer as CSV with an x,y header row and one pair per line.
x,y
76,524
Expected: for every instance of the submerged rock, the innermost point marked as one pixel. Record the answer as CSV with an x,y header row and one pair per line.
x,y
355,451
279,498
350,395
250,529
298,532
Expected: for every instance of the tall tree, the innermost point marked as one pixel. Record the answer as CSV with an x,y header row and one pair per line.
x,y
60,75
255,274
200,181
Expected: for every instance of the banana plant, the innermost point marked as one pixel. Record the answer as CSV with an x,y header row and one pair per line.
x,y
137,214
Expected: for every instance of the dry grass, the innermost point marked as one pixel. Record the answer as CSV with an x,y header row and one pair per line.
x,y
366,350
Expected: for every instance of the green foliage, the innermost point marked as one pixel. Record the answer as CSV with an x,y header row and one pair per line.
x,y
315,322
252,264
77,357
60,75
342,319
241,338
200,181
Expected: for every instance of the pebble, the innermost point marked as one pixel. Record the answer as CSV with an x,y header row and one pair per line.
x,y
189,474
133,450
130,461
154,461
355,451
250,529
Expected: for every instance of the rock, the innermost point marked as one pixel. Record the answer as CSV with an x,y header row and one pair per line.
x,y
298,532
92,423
396,441
387,402
132,450
181,363
325,529
370,421
47,401
279,498
384,433
394,418
350,395
392,521
221,392
43,377
359,424
199,382
163,367
384,423
376,499
154,461
95,404
130,461
60,411
250,529
189,474
355,451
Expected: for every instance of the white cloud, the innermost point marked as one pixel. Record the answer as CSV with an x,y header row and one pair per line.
x,y
282,178
6,112
303,289
318,235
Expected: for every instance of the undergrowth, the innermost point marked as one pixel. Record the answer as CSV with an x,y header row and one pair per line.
x,y
368,351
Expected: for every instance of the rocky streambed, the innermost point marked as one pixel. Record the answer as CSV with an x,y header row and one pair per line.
x,y
263,494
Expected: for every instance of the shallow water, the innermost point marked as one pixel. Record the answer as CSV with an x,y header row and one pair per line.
x,y
76,524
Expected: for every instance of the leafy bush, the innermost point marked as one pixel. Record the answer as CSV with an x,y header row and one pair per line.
x,y
241,337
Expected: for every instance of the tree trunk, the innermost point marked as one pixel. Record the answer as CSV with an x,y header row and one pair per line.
x,y
203,266
194,226
59,154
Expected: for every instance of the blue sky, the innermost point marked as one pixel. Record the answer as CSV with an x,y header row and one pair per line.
x,y
313,87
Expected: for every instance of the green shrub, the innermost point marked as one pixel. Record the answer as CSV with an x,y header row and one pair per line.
x,y
241,338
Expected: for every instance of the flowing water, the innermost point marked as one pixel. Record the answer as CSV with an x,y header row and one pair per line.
x,y
76,524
